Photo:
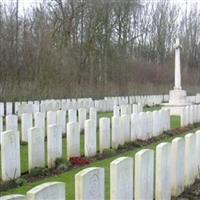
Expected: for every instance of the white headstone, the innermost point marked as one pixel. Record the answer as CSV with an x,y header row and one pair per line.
x,y
25,108
82,114
163,171
49,190
116,131
104,134
36,148
89,184
73,139
2,113
61,120
90,146
51,118
197,134
54,144
39,118
72,115
10,155
134,126
125,129
11,122
16,106
144,175
26,123
93,115
121,178
116,111
156,123
190,159
142,126
9,108
124,110
178,150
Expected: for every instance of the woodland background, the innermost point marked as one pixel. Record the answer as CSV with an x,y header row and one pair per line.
x,y
96,48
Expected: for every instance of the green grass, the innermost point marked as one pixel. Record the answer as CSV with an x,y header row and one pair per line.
x,y
68,177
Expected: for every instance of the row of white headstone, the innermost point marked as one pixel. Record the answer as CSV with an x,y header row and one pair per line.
x,y
127,109
58,117
38,120
103,105
190,115
148,100
125,128
176,168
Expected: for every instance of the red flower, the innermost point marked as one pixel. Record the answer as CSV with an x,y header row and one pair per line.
x,y
80,161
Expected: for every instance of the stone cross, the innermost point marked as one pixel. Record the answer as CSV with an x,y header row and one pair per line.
x,y
177,75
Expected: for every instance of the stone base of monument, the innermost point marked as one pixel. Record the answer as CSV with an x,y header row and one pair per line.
x,y
177,100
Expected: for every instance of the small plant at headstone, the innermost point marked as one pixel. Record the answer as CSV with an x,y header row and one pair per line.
x,y
62,165
108,152
120,147
128,145
20,181
62,168
38,171
59,161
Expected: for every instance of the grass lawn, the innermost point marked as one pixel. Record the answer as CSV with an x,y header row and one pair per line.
x,y
68,177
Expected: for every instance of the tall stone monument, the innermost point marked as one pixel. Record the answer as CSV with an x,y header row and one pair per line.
x,y
177,96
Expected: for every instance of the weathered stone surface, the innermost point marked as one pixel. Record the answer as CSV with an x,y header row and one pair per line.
x,y
163,171
134,126
125,129
9,108
36,148
116,131
54,144
197,134
90,146
51,118
121,178
73,139
82,115
190,161
178,151
89,184
72,115
124,110
26,123
144,175
50,191
39,118
116,111
25,108
10,155
61,120
11,122
156,124
93,115
104,134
